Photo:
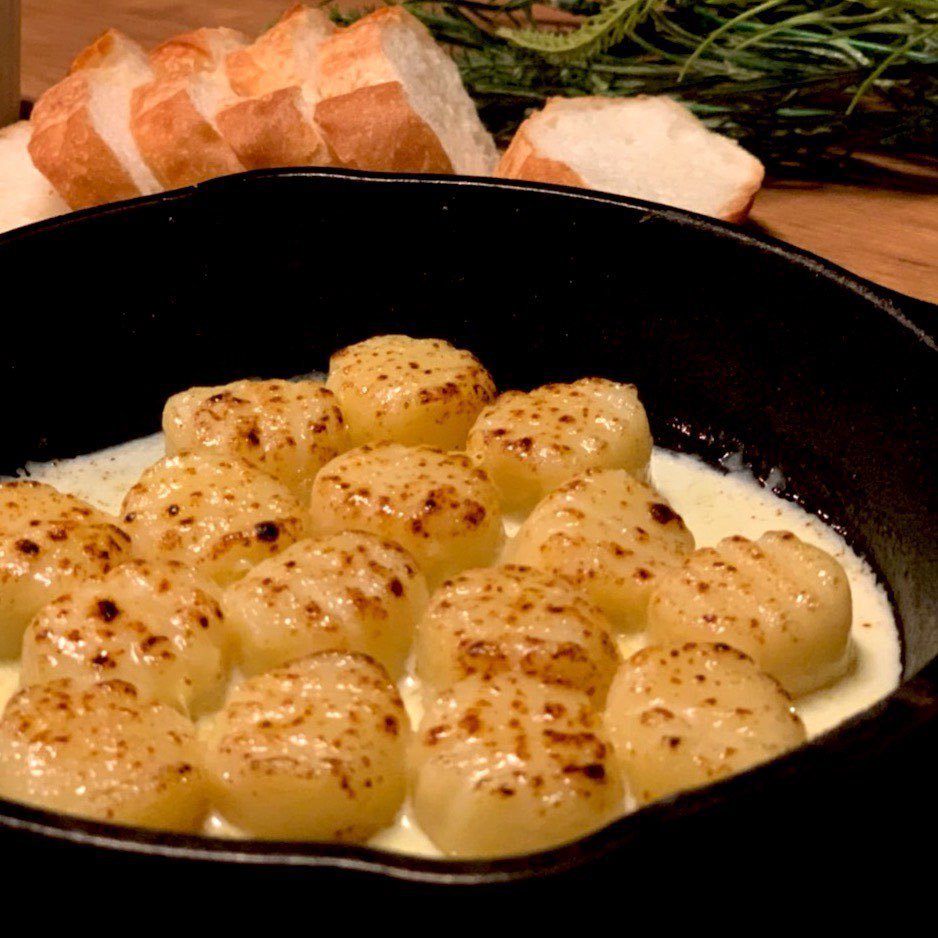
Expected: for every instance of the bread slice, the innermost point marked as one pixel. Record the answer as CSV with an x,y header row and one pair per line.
x,y
25,194
81,140
392,99
173,117
274,123
287,54
646,147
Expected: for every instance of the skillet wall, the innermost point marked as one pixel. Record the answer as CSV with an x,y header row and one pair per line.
x,y
266,274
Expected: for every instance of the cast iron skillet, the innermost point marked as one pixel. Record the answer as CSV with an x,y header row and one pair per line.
x,y
736,342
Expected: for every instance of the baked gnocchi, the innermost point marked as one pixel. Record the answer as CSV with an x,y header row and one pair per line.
x,y
438,506
312,751
288,429
49,541
97,751
155,625
217,513
410,391
351,591
685,715
612,535
784,602
507,765
519,620
529,443
416,643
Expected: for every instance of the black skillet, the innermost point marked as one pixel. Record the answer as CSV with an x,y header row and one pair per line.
x,y
737,342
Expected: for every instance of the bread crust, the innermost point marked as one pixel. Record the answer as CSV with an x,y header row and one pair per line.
x,y
103,50
178,144
70,153
269,62
375,128
195,51
273,130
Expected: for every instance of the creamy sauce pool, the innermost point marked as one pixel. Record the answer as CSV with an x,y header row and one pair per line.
x,y
714,505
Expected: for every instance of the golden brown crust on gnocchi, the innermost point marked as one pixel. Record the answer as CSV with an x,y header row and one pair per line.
x,y
217,513
97,752
685,715
411,391
611,535
508,765
312,751
784,602
515,619
49,541
288,429
438,506
530,443
157,626
352,591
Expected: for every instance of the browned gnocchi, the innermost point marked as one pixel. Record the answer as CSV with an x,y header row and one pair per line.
x,y
784,602
351,591
98,752
288,429
685,715
410,391
217,513
613,536
507,765
438,506
312,751
518,620
49,541
155,625
406,612
530,443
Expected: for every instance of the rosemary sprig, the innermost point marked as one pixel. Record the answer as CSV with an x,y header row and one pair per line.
x,y
802,83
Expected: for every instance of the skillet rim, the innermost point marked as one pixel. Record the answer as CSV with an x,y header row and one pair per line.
x,y
913,703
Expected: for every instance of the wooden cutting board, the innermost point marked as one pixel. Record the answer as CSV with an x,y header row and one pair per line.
x,y
885,228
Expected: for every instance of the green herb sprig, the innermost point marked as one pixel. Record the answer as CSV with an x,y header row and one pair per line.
x,y
801,83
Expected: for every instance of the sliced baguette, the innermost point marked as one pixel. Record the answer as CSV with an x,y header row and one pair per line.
x,y
81,140
173,117
274,123
392,99
646,147
25,194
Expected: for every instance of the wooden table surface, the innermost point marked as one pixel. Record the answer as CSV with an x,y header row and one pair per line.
x,y
885,230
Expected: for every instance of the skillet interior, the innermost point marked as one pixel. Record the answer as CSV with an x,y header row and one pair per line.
x,y
735,342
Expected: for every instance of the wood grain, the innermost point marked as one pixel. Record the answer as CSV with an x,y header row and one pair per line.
x,y
885,229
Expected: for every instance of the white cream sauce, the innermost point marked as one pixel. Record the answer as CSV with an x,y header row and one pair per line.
x,y
713,504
